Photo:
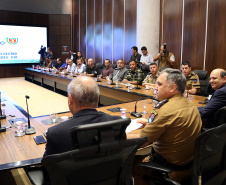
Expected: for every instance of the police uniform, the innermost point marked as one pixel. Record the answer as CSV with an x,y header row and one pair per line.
x,y
151,79
136,75
192,81
173,127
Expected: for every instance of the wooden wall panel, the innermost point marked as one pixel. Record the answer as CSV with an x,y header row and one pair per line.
x,y
2,71
90,29
32,18
83,12
216,35
75,25
130,27
118,30
172,28
98,31
107,30
194,32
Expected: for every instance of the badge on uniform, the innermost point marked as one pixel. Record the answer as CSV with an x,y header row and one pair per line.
x,y
152,116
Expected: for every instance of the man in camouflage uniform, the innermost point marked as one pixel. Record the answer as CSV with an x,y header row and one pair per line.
x,y
192,84
134,74
152,77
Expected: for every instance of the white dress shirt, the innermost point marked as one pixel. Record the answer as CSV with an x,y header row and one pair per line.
x,y
146,59
71,68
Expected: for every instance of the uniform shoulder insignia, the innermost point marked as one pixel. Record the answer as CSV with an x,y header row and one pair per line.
x,y
152,116
161,103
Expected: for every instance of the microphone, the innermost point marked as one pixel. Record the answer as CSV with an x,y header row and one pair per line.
x,y
135,113
112,83
29,130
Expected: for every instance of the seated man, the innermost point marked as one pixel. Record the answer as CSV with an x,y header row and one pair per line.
x,y
80,68
91,69
51,62
152,77
166,59
134,74
173,125
146,57
108,70
192,85
58,64
64,65
83,107
135,56
71,66
119,73
218,99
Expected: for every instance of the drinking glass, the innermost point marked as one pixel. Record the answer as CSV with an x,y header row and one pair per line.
x,y
20,129
53,117
144,104
123,112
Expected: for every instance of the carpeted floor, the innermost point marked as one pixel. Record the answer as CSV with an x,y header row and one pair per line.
x,y
42,101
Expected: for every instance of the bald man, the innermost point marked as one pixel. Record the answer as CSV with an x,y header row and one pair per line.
x,y
218,99
83,98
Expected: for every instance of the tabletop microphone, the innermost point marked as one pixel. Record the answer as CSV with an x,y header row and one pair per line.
x,y
29,130
135,113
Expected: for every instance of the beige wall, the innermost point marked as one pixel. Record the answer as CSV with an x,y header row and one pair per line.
x,y
148,16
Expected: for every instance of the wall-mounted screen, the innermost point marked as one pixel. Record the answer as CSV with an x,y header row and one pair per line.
x,y
21,44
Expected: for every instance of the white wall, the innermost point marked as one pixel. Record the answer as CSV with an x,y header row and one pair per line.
x,y
38,6
148,19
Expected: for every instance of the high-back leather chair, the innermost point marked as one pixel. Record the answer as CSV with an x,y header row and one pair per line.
x,y
220,116
208,166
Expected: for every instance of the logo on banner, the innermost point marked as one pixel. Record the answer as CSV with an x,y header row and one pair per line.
x,y
12,40
2,43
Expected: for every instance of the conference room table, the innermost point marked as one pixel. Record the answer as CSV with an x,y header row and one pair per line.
x,y
23,151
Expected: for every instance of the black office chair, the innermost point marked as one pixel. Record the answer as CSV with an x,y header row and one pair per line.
x,y
220,116
145,69
209,160
99,67
103,156
204,82
113,66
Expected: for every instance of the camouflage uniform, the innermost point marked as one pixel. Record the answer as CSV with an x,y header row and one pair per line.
x,y
151,79
136,75
190,83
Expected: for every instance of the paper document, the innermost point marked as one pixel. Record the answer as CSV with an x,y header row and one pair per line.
x,y
133,126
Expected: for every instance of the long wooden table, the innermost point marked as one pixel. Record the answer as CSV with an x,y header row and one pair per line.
x,y
23,151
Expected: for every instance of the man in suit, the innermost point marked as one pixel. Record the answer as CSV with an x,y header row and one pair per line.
x,y
218,99
83,98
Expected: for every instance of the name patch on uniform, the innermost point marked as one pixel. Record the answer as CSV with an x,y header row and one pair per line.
x,y
152,116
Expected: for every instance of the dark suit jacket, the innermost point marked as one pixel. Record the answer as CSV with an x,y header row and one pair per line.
x,y
217,101
59,137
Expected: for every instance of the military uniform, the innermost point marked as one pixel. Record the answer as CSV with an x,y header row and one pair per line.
x,y
136,75
192,79
163,62
151,79
173,127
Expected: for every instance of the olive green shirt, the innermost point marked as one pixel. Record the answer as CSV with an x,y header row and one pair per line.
x,y
136,75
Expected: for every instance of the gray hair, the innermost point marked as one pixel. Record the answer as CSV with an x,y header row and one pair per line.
x,y
84,91
223,74
175,76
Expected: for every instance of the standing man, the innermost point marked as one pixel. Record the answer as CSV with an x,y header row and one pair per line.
x,y
218,99
146,57
83,98
192,85
135,56
173,125
119,73
71,66
80,68
134,74
91,69
74,56
108,70
166,59
152,77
